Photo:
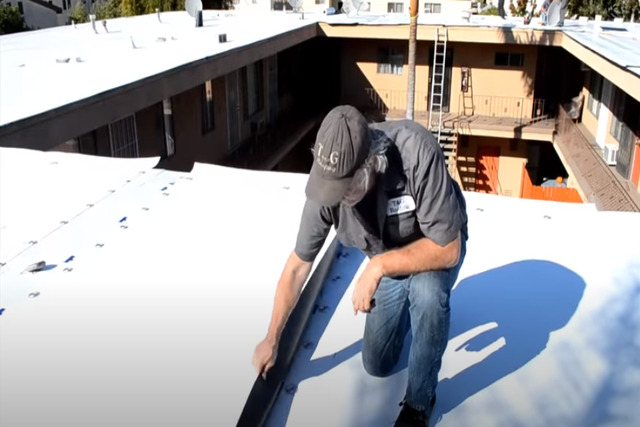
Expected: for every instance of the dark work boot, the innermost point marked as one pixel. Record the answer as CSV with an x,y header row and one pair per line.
x,y
410,417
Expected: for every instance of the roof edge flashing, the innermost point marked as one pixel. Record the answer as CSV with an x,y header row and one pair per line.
x,y
265,392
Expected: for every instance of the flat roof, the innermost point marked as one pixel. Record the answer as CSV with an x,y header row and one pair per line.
x,y
151,301
35,77
33,81
617,42
154,298
541,327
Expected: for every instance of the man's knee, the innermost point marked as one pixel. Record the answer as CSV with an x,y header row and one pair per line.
x,y
375,366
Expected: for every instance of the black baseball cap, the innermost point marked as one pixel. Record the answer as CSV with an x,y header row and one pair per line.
x,y
342,145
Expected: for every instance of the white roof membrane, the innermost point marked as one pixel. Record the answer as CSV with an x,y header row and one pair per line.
x,y
175,41
154,299
544,329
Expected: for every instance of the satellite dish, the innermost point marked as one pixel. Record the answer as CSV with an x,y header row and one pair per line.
x,y
193,7
554,15
295,4
355,6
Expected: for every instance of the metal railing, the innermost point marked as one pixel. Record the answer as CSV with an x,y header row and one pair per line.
x,y
522,110
385,100
603,184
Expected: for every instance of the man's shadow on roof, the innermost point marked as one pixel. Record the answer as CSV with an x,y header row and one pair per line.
x,y
527,300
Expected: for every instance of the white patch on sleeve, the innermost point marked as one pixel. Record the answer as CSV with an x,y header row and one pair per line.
x,y
400,205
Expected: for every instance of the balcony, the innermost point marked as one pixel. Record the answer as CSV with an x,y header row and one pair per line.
x,y
497,116
596,180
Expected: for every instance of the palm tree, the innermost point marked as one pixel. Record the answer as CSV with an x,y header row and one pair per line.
x,y
413,29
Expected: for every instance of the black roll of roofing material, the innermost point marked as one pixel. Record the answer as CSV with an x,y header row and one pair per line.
x,y
265,392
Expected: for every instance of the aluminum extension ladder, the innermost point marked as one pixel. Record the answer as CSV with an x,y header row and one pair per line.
x,y
437,77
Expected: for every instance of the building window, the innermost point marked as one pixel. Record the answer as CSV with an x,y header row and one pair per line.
x,y
395,7
595,93
390,61
123,137
508,59
625,111
622,132
252,89
20,8
169,139
208,117
432,8
320,1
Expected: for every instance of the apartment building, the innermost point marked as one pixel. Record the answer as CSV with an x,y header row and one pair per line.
x,y
40,14
249,99
502,101
496,94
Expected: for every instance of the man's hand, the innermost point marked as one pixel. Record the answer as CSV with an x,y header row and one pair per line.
x,y
264,357
366,287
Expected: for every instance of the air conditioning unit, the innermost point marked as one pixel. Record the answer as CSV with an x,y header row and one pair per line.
x,y
610,154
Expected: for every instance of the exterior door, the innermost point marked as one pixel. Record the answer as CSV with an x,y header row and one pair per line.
x,y
635,172
487,162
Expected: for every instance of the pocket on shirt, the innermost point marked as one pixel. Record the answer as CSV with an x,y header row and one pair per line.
x,y
402,229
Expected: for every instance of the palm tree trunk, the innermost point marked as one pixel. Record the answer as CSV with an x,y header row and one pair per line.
x,y
413,29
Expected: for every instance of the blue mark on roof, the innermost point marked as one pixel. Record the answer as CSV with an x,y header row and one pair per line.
x,y
124,218
1,311
71,258
164,188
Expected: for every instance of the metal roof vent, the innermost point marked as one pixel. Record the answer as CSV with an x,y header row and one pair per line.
x,y
93,23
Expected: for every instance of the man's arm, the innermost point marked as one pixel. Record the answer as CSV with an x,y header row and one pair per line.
x,y
293,277
314,227
421,255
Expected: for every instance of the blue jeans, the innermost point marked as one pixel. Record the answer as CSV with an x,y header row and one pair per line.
x,y
421,300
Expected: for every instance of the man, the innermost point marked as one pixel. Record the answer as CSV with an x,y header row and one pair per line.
x,y
386,189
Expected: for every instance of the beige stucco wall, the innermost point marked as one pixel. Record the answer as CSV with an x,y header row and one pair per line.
x,y
510,163
488,82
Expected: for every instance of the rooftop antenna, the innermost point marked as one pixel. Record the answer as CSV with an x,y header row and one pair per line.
x,y
194,9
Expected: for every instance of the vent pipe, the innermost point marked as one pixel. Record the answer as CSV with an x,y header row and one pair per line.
x,y
93,23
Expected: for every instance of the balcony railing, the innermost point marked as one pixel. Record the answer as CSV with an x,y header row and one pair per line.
x,y
396,100
598,182
522,110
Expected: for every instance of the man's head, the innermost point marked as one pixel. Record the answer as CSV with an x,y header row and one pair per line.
x,y
341,148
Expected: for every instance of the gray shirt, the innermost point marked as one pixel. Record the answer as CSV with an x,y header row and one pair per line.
x,y
416,197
